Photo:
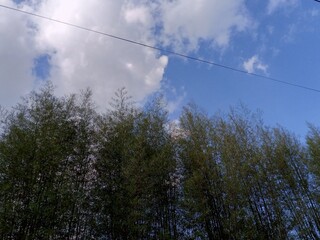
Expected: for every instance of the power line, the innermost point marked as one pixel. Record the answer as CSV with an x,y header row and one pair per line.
x,y
163,50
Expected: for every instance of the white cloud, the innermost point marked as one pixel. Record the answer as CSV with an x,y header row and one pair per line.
x,y
273,5
186,22
16,56
253,64
176,99
173,105
81,59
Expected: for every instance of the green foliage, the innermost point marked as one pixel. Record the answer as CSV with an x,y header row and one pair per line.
x,y
135,162
67,172
243,180
44,154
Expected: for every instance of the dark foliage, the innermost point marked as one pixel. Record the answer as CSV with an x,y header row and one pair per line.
x,y
67,172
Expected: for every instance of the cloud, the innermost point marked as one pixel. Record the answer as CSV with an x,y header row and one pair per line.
x,y
187,22
82,59
289,35
79,59
17,52
173,97
173,105
253,64
274,5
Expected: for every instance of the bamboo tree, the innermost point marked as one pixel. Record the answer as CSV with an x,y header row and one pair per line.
x,y
203,188
135,167
153,189
37,163
115,139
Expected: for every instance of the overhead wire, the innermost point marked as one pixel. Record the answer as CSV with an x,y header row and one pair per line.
x,y
162,49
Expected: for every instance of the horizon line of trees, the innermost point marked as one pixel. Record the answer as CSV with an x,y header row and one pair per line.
x,y
68,172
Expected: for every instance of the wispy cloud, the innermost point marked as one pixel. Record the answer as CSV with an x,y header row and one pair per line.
x,y
186,22
274,5
174,104
254,64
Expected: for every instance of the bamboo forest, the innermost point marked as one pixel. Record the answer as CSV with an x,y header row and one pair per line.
x,y
69,171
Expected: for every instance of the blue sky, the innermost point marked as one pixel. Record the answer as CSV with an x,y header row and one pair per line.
x,y
287,41
275,38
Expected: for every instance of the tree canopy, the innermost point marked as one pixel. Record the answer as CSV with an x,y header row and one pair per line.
x,y
69,172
